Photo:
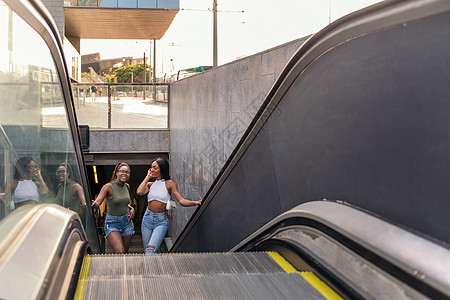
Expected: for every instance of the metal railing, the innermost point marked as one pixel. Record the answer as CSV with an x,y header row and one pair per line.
x,y
122,105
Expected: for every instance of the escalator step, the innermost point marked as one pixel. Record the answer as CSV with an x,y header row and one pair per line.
x,y
223,286
117,266
225,275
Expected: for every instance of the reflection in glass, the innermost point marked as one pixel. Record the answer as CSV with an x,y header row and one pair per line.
x,y
70,193
27,184
35,136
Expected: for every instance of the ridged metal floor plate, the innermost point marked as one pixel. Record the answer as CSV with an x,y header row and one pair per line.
x,y
116,266
190,276
222,286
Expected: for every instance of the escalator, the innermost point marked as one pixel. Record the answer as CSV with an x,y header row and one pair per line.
x,y
252,275
290,241
312,251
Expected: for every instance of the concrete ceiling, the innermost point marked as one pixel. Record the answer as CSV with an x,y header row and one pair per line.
x,y
117,23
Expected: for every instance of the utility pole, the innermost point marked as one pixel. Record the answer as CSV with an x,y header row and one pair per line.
x,y
154,69
215,33
329,14
144,74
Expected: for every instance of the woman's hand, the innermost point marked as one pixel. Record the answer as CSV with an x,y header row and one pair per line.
x,y
131,213
199,202
143,188
43,189
37,173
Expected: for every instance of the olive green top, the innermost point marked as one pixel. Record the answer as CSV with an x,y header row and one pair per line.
x,y
118,205
64,196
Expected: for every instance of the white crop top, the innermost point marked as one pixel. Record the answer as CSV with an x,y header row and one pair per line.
x,y
158,191
26,190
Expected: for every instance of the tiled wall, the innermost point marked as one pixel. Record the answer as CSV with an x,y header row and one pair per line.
x,y
209,113
55,7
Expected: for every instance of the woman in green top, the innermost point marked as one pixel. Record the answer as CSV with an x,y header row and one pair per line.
x,y
118,225
70,194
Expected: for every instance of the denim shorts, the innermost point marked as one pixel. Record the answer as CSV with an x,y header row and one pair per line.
x,y
119,224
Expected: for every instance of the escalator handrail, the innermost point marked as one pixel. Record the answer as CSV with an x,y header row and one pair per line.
x,y
41,250
418,256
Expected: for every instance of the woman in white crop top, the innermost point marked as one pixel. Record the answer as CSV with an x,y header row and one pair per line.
x,y
22,188
155,222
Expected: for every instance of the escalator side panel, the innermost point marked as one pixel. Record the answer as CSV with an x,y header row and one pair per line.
x,y
366,122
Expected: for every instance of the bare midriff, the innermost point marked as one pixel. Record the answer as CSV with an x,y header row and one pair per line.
x,y
156,206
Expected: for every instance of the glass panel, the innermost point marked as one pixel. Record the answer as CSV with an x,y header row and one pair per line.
x,y
88,2
37,157
147,3
109,3
130,110
168,4
132,107
127,3
92,108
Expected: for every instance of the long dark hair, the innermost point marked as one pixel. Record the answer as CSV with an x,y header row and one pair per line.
x,y
163,167
117,168
21,167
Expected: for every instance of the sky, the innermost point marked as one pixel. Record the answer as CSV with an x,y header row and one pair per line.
x,y
245,27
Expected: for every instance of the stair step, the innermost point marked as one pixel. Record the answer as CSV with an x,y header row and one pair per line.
x,y
219,286
117,266
223,275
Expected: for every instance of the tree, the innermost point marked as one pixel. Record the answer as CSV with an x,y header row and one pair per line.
x,y
123,74
110,78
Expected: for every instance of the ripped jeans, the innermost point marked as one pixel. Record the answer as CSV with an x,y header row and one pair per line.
x,y
154,228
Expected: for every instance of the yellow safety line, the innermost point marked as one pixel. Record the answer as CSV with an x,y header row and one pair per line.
x,y
84,274
312,279
320,285
287,267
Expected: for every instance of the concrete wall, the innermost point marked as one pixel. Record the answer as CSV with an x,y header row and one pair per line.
x,y
209,113
129,141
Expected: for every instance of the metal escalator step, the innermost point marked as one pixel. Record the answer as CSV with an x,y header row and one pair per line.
x,y
220,286
117,266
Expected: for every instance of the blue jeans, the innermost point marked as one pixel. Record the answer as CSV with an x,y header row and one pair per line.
x,y
120,224
154,227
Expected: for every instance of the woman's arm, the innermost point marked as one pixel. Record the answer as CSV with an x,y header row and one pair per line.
x,y
43,189
131,208
77,193
104,192
131,213
10,187
174,190
143,188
